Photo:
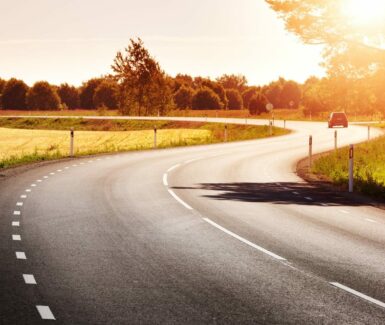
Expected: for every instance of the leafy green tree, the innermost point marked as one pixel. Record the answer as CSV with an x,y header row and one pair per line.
x,y
273,94
2,85
14,94
291,95
248,94
106,94
144,87
42,96
87,92
206,98
183,97
69,95
234,98
183,80
233,81
257,104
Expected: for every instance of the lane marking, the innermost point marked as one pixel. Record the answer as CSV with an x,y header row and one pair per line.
x,y
295,193
192,160
33,185
19,204
66,167
28,190
74,165
15,223
16,237
16,213
286,188
324,204
179,200
165,183
29,279
21,256
371,220
45,176
358,294
247,242
52,173
308,198
23,196
98,159
45,312
172,168
344,211
39,180
59,170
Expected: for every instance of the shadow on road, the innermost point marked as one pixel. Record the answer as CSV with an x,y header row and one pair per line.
x,y
277,193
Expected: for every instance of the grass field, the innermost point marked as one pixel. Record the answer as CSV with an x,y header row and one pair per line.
x,y
369,167
28,140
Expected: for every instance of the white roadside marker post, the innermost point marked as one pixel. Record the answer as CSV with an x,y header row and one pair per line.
x,y
270,128
284,124
72,142
310,151
335,140
368,132
226,133
351,168
155,137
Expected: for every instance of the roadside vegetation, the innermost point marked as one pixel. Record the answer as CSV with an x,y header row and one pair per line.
x,y
30,140
369,167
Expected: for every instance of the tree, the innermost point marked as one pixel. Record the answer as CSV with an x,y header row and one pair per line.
x,y
233,81
144,87
87,91
42,96
183,97
69,95
183,80
14,95
248,94
291,95
351,49
106,94
206,98
2,85
234,99
273,94
257,104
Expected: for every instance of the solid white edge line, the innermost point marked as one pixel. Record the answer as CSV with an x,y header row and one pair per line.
x,y
192,160
172,168
179,200
45,312
29,279
358,294
247,242
165,183
21,256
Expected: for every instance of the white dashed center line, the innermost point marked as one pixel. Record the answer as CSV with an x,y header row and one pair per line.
x,y
23,196
29,279
45,176
165,183
371,220
16,213
28,190
15,223
19,204
358,294
308,198
16,237
21,256
243,240
295,193
52,173
39,181
176,197
33,185
45,312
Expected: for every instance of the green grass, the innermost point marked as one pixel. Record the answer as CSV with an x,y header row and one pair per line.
x,y
24,140
369,167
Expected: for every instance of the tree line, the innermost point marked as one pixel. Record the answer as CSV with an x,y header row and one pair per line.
x,y
138,86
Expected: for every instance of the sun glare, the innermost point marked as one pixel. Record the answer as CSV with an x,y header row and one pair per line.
x,y
364,12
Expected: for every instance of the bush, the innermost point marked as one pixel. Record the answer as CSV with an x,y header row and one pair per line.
x,y
14,94
106,95
257,104
42,96
69,96
234,99
87,92
183,97
248,94
206,98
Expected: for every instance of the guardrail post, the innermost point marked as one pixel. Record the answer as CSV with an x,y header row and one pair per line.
x,y
351,168
335,140
155,131
310,151
72,142
225,135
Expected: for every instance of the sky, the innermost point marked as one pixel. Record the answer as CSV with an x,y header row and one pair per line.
x,y
75,40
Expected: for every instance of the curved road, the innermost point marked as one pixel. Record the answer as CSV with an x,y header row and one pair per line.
x,y
223,233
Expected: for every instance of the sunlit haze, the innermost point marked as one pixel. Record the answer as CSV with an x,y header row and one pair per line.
x,y
72,41
364,12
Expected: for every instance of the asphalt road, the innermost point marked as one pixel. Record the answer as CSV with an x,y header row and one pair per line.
x,y
214,234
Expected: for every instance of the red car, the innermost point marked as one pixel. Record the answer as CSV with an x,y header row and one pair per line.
x,y
338,119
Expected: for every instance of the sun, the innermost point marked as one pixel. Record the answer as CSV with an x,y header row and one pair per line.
x,y
364,12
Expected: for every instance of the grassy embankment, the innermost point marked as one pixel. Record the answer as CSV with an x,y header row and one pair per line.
x,y
369,167
24,140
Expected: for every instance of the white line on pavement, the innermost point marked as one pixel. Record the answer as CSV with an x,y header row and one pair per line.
x,y
29,279
23,196
16,237
165,183
344,211
45,176
45,312
28,190
308,198
52,173
295,193
19,204
247,242
192,160
179,200
33,185
371,220
358,294
173,167
39,180
15,223
21,256
16,213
